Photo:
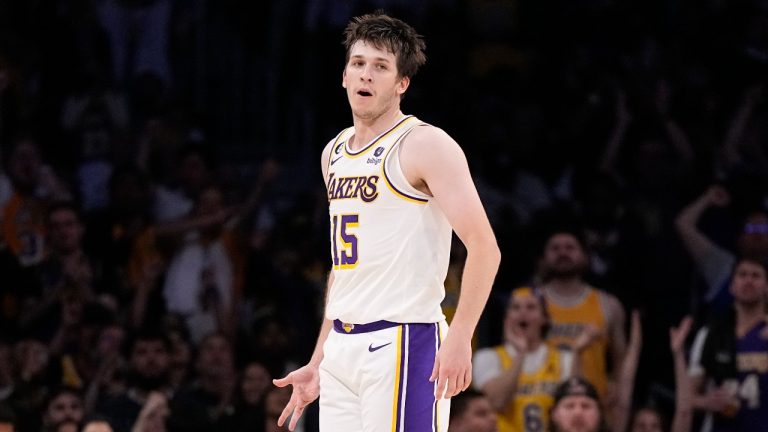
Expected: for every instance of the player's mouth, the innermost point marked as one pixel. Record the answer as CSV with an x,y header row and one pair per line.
x,y
523,325
364,93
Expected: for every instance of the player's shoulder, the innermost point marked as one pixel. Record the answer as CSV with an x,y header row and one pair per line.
x,y
426,142
428,133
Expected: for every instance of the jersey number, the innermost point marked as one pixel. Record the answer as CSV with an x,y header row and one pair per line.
x,y
750,391
343,242
532,418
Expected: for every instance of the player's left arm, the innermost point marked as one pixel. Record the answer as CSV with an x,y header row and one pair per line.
x,y
434,163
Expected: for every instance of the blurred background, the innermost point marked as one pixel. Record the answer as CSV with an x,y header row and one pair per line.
x,y
164,221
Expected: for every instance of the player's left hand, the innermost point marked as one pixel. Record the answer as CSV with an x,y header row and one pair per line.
x,y
453,366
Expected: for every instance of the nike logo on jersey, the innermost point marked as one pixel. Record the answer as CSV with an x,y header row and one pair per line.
x,y
371,348
336,160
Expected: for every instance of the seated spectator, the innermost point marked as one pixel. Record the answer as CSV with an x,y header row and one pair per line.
x,y
249,412
519,377
148,372
64,406
471,412
577,408
207,403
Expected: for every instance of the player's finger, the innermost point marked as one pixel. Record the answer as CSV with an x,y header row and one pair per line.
x,y
297,412
286,412
467,379
450,387
282,382
459,384
435,368
440,388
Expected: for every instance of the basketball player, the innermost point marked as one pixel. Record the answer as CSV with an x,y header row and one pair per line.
x,y
384,360
520,376
575,306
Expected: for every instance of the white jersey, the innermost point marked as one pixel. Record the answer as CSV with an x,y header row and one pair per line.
x,y
390,243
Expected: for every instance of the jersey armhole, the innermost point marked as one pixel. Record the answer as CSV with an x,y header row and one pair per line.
x,y
393,172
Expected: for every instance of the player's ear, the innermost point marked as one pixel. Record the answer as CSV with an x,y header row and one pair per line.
x,y
402,86
344,78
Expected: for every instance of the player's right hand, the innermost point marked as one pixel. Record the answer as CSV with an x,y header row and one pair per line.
x,y
306,388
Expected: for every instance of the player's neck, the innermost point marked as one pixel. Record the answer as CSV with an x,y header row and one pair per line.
x,y
367,129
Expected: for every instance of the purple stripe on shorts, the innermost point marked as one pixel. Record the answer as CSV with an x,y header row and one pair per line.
x,y
419,392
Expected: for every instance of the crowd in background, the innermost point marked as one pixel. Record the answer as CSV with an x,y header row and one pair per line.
x,y
164,223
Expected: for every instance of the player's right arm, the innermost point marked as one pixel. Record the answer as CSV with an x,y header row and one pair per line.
x,y
306,379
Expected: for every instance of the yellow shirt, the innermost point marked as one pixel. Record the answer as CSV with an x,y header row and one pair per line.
x,y
529,410
567,325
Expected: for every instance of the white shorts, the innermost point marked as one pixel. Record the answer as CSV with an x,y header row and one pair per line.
x,y
375,378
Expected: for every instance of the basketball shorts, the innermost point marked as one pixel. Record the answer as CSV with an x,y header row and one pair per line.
x,y
375,378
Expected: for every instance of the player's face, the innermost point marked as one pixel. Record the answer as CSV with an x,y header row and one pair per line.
x,y
750,283
479,417
564,256
526,316
577,414
372,81
646,421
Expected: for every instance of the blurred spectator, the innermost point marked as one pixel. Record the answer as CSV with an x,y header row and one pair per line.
x,y
33,386
577,408
35,185
715,262
729,359
95,119
471,412
66,266
205,275
576,307
519,376
208,402
181,357
148,372
138,33
153,415
250,410
64,406
194,169
275,401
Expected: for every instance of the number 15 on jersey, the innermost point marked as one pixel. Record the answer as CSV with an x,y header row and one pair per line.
x,y
344,241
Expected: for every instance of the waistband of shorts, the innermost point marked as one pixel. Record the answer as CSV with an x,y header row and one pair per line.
x,y
347,328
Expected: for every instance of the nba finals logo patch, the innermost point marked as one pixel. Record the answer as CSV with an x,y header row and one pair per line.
x,y
347,327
